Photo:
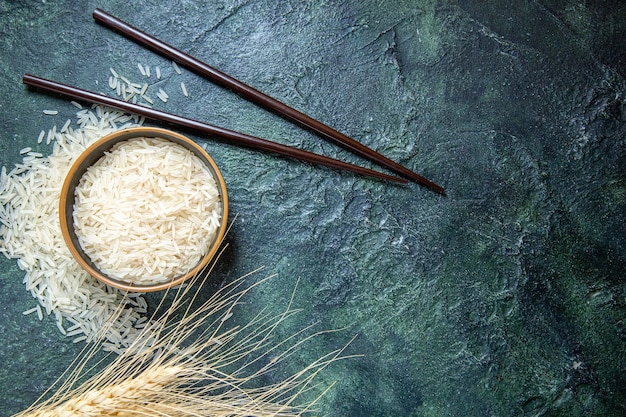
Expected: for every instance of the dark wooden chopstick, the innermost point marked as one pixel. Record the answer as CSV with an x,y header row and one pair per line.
x,y
255,96
231,135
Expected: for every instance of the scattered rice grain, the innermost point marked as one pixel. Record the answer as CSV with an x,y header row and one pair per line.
x,y
60,327
162,95
29,311
66,125
148,99
30,233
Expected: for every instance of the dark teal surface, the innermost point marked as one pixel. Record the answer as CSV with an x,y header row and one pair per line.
x,y
505,298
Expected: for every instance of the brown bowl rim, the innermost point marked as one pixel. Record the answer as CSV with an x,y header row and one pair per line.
x,y
94,152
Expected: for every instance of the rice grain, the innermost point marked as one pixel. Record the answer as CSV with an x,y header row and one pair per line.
x,y
147,211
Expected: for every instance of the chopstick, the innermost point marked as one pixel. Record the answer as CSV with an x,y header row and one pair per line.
x,y
205,128
255,96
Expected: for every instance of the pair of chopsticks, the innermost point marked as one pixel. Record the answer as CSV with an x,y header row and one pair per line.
x,y
243,90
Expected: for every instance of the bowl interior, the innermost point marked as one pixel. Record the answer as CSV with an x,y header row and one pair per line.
x,y
93,154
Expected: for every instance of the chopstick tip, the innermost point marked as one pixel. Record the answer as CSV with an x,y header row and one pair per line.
x,y
437,188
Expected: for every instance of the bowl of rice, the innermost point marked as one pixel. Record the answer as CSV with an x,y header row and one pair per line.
x,y
143,209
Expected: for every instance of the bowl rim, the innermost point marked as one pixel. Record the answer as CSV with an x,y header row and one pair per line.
x,y
93,153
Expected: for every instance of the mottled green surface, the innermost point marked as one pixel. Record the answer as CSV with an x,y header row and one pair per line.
x,y
506,298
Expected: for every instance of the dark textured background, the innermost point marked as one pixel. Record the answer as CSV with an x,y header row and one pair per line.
x,y
505,298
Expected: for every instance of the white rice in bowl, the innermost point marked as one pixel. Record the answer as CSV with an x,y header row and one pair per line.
x,y
147,211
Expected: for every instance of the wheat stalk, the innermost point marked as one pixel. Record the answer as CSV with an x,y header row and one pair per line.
x,y
194,366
